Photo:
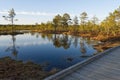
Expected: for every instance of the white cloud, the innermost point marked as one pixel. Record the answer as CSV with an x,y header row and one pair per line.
x,y
35,13
3,12
30,13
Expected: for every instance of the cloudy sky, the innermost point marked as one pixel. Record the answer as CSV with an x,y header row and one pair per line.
x,y
32,11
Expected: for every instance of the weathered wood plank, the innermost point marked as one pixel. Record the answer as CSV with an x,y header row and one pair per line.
x,y
77,76
108,73
95,76
101,73
69,78
107,65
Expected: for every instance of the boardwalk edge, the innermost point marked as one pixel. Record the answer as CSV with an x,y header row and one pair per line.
x,y
71,69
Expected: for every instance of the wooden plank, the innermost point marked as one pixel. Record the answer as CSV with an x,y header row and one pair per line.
x,y
97,66
111,57
110,74
69,78
96,74
105,59
101,69
93,75
77,76
107,64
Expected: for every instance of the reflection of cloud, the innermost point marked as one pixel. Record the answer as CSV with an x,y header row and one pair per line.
x,y
26,43
30,13
32,43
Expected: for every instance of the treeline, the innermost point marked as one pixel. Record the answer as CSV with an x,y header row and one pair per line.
x,y
110,26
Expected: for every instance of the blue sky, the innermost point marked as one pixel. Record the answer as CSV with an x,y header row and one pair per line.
x,y
32,11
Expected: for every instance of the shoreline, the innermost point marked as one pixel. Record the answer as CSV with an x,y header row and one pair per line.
x,y
107,41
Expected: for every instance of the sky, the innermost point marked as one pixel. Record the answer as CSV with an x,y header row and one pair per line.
x,y
37,11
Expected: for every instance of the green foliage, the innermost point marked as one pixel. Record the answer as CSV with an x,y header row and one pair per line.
x,y
75,21
83,17
11,15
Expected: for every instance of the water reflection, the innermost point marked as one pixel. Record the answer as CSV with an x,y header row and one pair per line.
x,y
61,41
75,41
51,50
82,48
13,48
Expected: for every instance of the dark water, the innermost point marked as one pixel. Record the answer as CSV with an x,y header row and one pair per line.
x,y
50,50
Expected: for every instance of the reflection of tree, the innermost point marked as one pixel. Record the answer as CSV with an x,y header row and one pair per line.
x,y
13,47
46,36
56,42
49,36
61,41
14,52
82,48
75,41
43,35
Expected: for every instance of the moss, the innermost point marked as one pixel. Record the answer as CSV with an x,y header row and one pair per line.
x,y
17,70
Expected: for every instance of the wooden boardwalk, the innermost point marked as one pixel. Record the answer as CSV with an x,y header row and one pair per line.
x,y
104,66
